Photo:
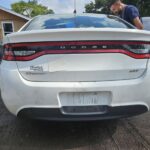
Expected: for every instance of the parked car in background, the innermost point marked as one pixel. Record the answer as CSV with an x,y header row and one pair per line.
x,y
146,22
76,67
1,51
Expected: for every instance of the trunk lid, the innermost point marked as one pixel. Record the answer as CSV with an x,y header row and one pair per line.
x,y
73,55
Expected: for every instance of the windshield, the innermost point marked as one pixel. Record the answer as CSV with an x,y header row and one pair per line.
x,y
85,21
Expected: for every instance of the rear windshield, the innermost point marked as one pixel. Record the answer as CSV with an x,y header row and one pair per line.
x,y
94,21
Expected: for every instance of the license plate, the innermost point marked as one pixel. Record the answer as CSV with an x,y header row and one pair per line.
x,y
85,98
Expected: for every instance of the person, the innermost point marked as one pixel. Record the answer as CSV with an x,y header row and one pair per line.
x,y
127,12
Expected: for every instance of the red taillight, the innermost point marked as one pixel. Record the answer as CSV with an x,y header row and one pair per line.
x,y
30,51
8,53
19,55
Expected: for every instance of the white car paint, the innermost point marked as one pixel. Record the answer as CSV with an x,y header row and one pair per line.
x,y
39,83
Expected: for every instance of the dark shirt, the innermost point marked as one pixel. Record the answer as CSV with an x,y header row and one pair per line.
x,y
129,13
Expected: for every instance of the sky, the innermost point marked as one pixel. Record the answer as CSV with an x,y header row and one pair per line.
x,y
59,6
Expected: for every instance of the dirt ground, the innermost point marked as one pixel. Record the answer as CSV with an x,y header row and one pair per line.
x,y
125,134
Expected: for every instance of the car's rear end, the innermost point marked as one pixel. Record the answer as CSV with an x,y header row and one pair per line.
x,y
76,74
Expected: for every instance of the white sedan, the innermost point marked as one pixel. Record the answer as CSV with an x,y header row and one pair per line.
x,y
76,67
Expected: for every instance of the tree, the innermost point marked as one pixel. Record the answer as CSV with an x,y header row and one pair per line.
x,y
100,6
30,8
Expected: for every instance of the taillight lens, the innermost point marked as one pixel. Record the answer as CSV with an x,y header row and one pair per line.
x,y
8,53
24,53
16,55
30,51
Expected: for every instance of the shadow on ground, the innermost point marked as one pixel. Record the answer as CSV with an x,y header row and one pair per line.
x,y
27,134
125,134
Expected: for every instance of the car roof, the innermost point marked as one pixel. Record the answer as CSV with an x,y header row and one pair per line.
x,y
146,18
146,22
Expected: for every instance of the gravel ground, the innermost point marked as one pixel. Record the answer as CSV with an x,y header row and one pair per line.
x,y
125,134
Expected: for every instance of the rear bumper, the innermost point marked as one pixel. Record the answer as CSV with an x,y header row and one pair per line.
x,y
40,100
55,114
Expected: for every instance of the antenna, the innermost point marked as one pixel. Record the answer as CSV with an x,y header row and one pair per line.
x,y
75,7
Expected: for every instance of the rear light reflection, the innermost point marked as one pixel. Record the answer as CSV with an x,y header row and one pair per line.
x,y
24,53
8,55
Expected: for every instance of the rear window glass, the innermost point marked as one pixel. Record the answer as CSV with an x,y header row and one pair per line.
x,y
57,22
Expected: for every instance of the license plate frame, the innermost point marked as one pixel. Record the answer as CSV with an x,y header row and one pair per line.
x,y
85,99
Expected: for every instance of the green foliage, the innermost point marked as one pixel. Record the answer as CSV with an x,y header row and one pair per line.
x,y
36,9
100,6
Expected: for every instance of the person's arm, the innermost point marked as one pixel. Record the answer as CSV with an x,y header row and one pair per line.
x,y
134,17
137,22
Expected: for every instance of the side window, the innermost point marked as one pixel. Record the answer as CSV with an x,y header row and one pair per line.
x,y
7,28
